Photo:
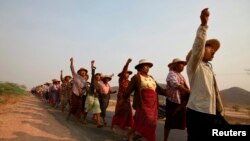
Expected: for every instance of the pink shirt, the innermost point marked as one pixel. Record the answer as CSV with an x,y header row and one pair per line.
x,y
104,88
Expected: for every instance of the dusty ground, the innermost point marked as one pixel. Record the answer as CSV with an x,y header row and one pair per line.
x,y
31,119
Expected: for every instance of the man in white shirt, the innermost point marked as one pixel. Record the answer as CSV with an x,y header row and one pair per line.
x,y
204,103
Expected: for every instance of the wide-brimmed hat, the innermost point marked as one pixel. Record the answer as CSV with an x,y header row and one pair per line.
x,y
175,61
46,83
214,43
55,80
129,72
142,62
67,76
82,69
109,77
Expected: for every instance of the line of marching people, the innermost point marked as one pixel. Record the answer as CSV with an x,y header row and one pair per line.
x,y
82,97
193,108
48,92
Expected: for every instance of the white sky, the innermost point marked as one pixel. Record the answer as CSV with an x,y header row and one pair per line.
x,y
37,37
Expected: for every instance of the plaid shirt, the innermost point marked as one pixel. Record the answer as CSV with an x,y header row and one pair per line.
x,y
174,80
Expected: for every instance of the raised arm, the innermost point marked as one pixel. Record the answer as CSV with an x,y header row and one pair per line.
x,y
198,48
125,68
72,67
204,17
61,76
92,82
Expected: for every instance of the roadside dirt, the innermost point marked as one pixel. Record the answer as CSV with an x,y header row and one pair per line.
x,y
31,119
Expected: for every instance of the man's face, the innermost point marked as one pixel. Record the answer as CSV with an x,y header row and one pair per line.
x,y
209,53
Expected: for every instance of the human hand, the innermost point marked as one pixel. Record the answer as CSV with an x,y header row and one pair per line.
x,y
92,64
71,59
129,60
204,16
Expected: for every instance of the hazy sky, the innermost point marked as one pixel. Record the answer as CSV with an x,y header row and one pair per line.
x,y
38,37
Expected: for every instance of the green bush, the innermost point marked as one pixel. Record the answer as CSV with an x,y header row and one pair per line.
x,y
11,89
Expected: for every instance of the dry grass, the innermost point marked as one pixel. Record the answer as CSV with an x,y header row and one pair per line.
x,y
237,116
238,121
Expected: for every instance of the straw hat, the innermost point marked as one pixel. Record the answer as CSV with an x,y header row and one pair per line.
x,y
46,83
67,76
82,69
109,77
55,80
175,61
214,43
143,61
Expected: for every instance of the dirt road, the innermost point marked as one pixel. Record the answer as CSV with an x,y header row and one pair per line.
x,y
31,119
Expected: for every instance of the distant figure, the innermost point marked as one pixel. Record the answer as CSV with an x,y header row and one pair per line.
x,y
54,91
46,92
145,101
104,95
65,91
176,98
204,107
123,116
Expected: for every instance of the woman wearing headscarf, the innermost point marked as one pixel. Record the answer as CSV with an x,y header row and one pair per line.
x,y
145,101
123,116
